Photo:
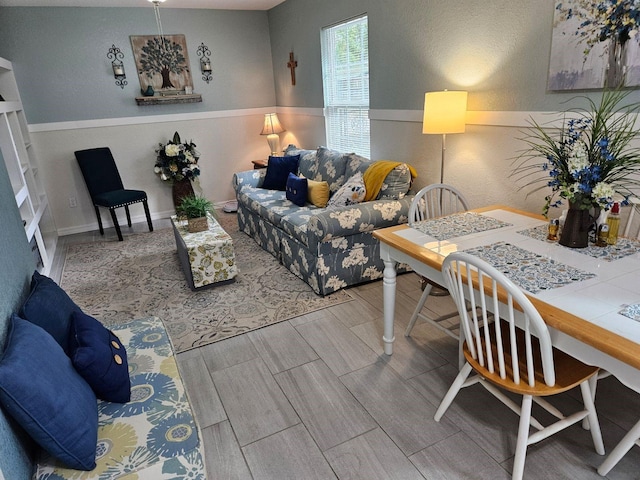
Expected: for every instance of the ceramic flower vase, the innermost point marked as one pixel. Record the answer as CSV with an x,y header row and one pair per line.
x,y
181,189
575,232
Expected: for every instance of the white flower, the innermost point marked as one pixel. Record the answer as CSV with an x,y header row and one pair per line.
x,y
172,150
603,193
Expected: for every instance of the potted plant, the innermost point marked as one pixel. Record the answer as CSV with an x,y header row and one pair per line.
x,y
195,209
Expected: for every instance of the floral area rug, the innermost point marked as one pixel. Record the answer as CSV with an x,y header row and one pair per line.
x,y
141,277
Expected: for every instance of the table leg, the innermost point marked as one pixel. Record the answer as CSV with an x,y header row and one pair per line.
x,y
389,298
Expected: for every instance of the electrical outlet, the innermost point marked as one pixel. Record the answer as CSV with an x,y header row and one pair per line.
x,y
73,203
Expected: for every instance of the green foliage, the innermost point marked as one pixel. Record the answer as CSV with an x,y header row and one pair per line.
x,y
194,206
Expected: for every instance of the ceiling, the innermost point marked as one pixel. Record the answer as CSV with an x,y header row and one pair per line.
x,y
211,4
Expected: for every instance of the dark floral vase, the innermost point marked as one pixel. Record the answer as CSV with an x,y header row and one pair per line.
x,y
577,225
180,189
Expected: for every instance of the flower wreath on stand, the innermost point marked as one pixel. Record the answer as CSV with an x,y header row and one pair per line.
x,y
589,159
177,163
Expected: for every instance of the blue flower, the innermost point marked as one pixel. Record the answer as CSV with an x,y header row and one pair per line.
x,y
173,436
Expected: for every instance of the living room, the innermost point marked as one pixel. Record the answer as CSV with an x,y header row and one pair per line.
x,y
497,51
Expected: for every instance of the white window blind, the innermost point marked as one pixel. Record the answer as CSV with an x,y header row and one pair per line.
x,y
345,78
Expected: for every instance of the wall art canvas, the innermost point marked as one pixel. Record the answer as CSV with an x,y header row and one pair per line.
x,y
595,45
162,62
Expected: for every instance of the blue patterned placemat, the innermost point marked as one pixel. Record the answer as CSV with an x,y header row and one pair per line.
x,y
631,311
458,224
528,270
623,247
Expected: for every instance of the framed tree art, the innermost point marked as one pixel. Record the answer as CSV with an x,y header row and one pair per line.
x,y
594,45
163,68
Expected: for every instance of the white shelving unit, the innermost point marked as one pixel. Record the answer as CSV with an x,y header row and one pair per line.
x,y
19,158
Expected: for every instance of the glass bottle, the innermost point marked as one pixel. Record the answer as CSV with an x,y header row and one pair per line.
x,y
613,220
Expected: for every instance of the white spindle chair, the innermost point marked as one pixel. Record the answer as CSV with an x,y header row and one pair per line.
x,y
517,358
435,200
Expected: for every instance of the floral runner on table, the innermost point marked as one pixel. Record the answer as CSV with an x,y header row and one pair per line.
x,y
457,225
623,248
530,271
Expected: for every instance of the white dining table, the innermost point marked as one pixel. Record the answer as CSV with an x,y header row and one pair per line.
x,y
580,293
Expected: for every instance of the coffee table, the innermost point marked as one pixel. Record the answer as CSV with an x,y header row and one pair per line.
x,y
207,258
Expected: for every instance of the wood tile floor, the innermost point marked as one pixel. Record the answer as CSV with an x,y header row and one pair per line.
x,y
315,398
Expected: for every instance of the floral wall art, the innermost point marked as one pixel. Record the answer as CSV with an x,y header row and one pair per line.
x,y
595,45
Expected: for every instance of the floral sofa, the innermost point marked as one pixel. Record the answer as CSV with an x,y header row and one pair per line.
x,y
329,248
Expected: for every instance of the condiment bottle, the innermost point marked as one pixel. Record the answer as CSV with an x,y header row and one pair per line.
x,y
554,225
603,235
613,220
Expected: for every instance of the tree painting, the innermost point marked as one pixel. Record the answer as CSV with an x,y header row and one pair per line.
x,y
162,62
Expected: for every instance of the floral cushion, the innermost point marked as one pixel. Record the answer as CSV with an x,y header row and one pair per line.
x,y
308,166
351,193
331,168
152,436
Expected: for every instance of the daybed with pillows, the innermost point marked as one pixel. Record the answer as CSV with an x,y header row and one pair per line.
x,y
314,210
102,404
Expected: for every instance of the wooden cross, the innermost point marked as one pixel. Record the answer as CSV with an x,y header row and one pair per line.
x,y
292,64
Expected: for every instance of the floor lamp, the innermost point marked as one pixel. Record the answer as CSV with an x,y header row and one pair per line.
x,y
444,112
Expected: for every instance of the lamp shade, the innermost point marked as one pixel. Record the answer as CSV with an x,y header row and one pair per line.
x,y
444,112
271,124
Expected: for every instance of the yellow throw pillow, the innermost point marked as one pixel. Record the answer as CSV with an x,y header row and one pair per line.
x,y
318,193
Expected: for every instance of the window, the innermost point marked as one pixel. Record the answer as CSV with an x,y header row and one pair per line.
x,y
345,78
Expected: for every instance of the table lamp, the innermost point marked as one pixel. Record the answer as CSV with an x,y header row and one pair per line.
x,y
271,129
444,112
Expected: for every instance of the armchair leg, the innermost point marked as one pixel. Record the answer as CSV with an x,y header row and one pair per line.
x,y
146,212
115,223
99,220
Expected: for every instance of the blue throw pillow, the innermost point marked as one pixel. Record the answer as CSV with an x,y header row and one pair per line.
x,y
49,307
100,358
278,170
42,391
297,190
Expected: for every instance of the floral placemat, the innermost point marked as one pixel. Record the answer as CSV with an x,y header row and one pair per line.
x,y
458,224
631,311
623,247
530,271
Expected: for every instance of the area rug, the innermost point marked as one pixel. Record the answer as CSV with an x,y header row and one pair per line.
x,y
141,277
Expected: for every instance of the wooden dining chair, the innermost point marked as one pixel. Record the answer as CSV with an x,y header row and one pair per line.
x,y
435,200
105,186
512,352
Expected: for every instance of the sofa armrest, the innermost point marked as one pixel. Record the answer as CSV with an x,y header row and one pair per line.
x,y
364,217
251,178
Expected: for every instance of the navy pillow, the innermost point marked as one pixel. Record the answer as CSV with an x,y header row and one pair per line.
x,y
100,358
49,307
42,391
297,189
278,170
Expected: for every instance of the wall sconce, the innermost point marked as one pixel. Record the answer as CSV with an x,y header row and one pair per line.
x,y
116,56
205,62
271,129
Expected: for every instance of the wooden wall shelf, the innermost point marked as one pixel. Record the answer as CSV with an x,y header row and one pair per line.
x,y
168,99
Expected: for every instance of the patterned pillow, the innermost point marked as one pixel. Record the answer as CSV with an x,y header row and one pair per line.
x,y
331,168
308,165
351,193
355,164
396,184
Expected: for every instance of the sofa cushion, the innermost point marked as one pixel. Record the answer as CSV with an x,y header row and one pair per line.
x,y
351,193
42,391
331,168
272,205
49,307
100,358
278,170
297,190
308,165
318,193
355,164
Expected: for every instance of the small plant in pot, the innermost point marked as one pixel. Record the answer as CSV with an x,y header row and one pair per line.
x,y
195,209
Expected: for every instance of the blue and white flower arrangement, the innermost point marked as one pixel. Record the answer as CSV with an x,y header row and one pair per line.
x,y
176,160
589,161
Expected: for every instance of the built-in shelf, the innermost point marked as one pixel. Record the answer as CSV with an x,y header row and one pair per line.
x,y
19,159
168,99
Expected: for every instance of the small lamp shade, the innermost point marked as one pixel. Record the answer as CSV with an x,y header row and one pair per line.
x,y
271,129
444,112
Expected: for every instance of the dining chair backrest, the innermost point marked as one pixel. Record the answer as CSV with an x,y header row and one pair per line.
x,y
632,227
494,329
436,200
99,170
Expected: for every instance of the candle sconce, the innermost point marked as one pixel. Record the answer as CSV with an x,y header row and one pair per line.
x,y
205,62
116,56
